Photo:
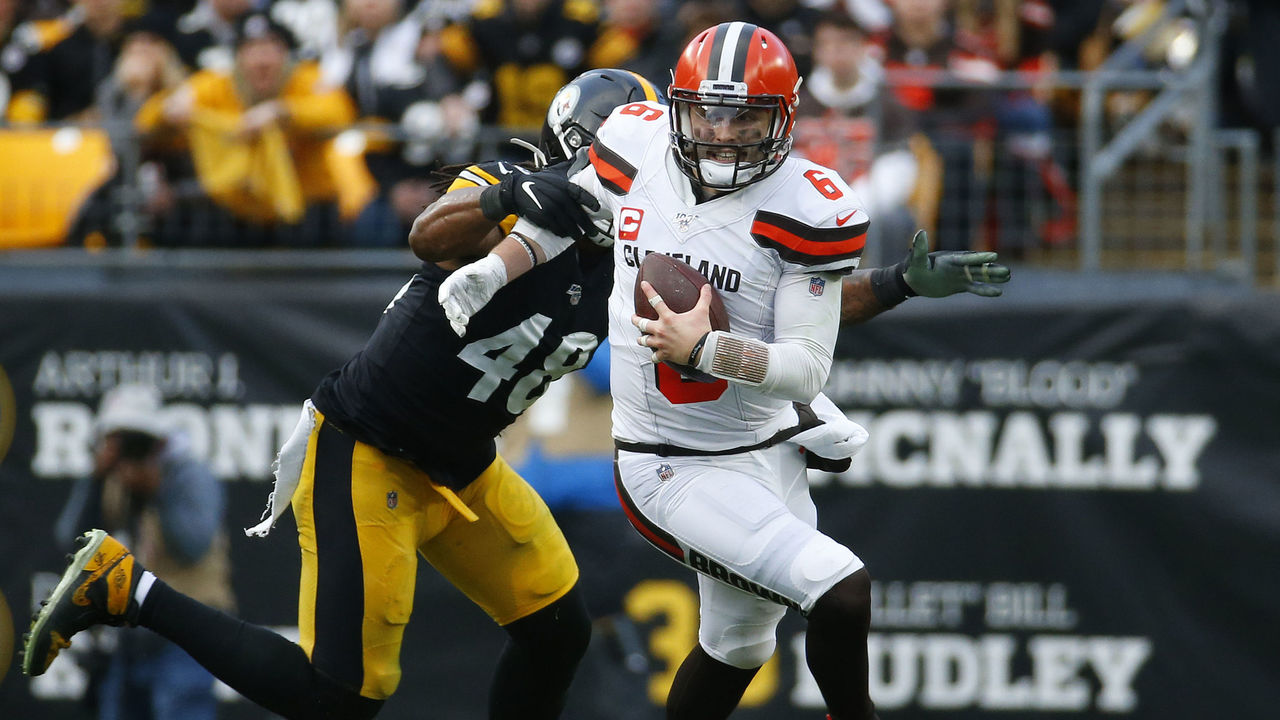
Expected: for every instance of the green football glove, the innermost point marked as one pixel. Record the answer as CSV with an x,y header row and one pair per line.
x,y
943,273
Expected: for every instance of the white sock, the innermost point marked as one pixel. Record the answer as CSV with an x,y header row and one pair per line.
x,y
144,586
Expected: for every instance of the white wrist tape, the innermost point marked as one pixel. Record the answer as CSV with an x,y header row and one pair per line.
x,y
735,358
550,243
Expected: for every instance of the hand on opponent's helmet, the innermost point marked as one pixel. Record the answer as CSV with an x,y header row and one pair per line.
x,y
546,197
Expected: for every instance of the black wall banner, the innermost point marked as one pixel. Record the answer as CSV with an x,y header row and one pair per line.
x,y
1070,514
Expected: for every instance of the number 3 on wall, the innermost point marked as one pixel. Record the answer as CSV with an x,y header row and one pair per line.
x,y
668,609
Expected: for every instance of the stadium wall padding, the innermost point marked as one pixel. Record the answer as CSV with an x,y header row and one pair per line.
x,y
1067,513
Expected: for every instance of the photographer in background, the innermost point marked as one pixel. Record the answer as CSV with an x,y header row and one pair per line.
x,y
146,486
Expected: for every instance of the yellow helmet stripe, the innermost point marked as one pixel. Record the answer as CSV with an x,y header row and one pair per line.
x,y
650,92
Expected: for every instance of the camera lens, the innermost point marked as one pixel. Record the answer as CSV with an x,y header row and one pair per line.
x,y
136,445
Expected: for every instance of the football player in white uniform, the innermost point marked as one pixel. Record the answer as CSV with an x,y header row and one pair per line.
x,y
703,468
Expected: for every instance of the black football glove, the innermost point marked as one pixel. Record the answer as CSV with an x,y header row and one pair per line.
x,y
546,198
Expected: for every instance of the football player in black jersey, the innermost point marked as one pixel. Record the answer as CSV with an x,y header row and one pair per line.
x,y
394,456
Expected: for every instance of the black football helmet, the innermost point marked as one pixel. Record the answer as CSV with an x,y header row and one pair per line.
x,y
582,105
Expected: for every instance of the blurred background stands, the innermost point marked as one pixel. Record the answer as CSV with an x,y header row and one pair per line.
x,y
1127,134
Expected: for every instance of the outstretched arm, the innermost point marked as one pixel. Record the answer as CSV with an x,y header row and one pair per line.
x,y
868,293
858,302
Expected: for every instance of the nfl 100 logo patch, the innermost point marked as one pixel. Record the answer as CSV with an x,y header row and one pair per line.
x,y
665,472
817,286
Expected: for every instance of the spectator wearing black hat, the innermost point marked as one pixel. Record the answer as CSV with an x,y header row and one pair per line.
x,y
262,140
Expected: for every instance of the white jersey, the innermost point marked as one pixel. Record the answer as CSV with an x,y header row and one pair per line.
x,y
801,220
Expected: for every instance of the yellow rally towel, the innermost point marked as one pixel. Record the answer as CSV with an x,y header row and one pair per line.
x,y
253,178
352,181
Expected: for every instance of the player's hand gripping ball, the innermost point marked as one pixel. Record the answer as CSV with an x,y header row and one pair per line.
x,y
679,285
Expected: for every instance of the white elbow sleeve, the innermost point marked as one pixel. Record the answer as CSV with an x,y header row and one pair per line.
x,y
797,371
796,365
790,371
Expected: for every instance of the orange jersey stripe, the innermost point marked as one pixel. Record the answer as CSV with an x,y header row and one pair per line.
x,y
606,163
826,248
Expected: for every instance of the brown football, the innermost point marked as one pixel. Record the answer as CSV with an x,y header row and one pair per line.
x,y
679,285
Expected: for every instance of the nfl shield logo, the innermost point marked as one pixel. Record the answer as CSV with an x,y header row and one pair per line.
x,y
816,286
392,500
665,472
575,293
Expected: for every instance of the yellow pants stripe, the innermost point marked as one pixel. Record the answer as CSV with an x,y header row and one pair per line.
x,y
365,517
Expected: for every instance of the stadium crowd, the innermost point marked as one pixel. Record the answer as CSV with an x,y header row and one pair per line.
x,y
319,123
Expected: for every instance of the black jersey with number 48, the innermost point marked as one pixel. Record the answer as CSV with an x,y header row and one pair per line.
x,y
420,392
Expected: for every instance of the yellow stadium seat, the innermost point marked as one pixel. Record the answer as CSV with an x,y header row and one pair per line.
x,y
45,176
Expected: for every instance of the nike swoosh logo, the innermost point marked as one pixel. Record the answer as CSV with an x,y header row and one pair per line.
x,y
527,186
839,220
